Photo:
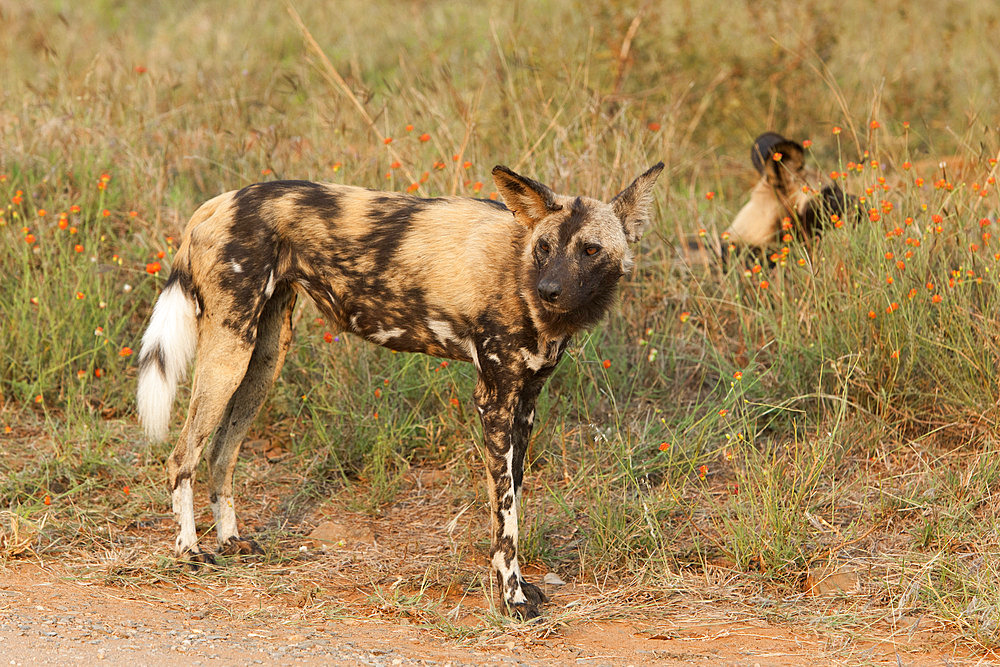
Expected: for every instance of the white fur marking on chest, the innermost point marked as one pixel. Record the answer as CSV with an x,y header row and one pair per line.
x,y
538,361
532,360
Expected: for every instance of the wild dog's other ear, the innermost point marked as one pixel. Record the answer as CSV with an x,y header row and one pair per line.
x,y
763,148
631,205
786,160
527,198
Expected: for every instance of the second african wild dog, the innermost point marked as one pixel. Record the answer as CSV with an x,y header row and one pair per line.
x,y
785,191
786,196
501,286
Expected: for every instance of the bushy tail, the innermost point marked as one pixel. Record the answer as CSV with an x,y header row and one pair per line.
x,y
167,348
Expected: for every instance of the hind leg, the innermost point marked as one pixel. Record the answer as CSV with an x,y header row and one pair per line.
x,y
274,334
223,357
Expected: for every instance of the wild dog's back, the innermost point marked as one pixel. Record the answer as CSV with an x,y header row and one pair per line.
x,y
391,267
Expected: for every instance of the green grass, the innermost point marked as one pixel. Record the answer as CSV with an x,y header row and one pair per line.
x,y
855,423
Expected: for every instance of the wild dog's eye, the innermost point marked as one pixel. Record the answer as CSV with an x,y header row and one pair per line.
x,y
592,249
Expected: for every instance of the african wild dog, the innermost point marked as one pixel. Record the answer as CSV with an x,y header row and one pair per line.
x,y
785,196
785,191
501,286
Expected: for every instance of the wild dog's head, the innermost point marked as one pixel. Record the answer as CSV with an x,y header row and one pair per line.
x,y
576,249
785,190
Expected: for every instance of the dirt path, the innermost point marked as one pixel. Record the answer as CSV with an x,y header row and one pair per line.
x,y
50,616
406,585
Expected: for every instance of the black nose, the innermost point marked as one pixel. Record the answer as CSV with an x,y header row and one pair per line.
x,y
549,290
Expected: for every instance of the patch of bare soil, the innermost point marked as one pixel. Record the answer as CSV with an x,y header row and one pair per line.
x,y
406,587
49,616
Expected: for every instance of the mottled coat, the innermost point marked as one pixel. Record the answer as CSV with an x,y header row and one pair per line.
x,y
503,287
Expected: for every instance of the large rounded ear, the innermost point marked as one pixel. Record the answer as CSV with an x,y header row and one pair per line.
x,y
785,162
527,198
631,205
763,148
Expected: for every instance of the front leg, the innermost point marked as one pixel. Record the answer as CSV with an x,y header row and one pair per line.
x,y
506,405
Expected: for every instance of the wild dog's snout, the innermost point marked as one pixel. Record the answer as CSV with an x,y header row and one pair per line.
x,y
549,290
